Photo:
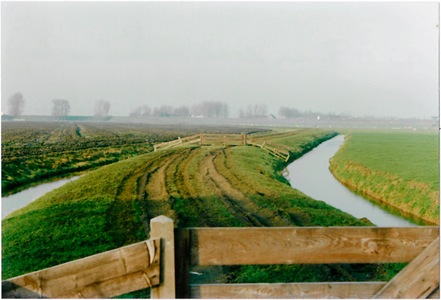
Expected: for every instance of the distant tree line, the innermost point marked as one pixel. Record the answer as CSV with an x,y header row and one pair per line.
x,y
211,109
61,109
206,109
291,113
161,111
253,111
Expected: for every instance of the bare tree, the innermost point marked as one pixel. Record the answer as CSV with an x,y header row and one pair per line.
x,y
211,109
135,112
141,111
241,113
145,110
102,108
60,109
182,111
163,111
249,111
16,104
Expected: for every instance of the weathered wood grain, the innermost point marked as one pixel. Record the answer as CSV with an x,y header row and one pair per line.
x,y
102,275
162,227
310,245
418,279
362,290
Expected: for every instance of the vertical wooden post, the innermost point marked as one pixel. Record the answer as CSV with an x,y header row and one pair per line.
x,y
162,227
202,141
182,263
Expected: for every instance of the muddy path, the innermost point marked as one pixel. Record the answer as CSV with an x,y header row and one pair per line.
x,y
204,186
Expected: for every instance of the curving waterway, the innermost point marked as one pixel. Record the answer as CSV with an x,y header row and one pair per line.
x,y
310,174
21,199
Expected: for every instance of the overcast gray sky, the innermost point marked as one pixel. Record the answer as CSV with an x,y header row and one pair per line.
x,y
365,58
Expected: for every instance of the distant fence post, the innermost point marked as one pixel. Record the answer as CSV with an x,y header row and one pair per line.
x,y
162,227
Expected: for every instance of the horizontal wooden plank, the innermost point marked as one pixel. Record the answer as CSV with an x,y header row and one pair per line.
x,y
196,136
107,274
192,142
360,290
308,245
418,279
271,143
221,135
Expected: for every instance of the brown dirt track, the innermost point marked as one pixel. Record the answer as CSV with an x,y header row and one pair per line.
x,y
212,186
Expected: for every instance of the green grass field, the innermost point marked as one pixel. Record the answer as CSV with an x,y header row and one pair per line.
x,y
196,186
401,169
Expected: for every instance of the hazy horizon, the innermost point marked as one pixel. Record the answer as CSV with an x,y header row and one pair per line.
x,y
362,58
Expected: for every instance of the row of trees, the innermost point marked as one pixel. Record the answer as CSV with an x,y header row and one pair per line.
x,y
60,107
206,109
291,113
161,111
256,110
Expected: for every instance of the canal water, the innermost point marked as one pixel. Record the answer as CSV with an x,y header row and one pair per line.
x,y
21,199
310,174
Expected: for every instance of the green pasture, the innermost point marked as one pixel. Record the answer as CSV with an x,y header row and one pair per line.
x,y
401,169
411,156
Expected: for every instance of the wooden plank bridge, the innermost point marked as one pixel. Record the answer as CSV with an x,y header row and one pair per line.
x,y
277,150
163,263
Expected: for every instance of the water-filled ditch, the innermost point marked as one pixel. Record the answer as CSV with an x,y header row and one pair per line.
x,y
21,199
310,174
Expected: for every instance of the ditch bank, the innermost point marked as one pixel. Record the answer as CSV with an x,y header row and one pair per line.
x,y
411,197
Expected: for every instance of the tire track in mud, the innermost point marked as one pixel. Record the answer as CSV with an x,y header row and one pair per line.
x,y
200,180
190,188
229,197
156,197
271,218
242,206
125,192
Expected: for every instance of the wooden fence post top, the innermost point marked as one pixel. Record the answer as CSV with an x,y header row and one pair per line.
x,y
161,219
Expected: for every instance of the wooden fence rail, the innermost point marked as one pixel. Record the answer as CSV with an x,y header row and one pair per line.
x,y
103,275
307,245
277,150
163,263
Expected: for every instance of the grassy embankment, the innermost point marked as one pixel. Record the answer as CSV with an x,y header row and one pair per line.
x,y
196,186
400,169
35,152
